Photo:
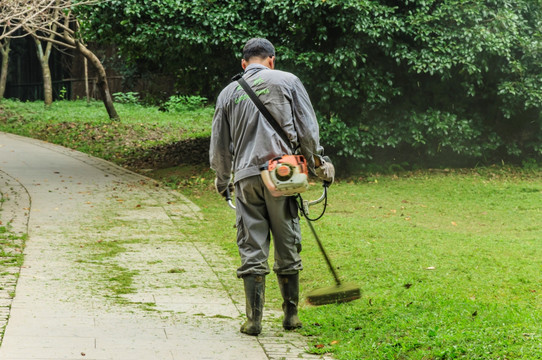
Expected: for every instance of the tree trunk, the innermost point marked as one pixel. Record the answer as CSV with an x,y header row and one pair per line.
x,y
47,81
4,50
87,94
102,80
46,71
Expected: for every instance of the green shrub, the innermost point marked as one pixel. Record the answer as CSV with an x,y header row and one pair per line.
x,y
126,97
383,74
180,103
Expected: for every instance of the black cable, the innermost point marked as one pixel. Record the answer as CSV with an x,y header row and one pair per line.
x,y
302,208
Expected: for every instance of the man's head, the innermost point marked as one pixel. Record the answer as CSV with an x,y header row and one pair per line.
x,y
258,50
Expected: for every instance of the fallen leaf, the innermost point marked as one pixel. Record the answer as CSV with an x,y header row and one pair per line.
x,y
319,346
454,223
334,342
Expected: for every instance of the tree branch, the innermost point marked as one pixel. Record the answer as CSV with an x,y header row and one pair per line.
x,y
36,14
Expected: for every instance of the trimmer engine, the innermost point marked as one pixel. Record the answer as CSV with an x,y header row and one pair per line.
x,y
286,175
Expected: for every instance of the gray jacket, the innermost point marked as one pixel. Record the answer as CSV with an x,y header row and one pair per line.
x,y
242,139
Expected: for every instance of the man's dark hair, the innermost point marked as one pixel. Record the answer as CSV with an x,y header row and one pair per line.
x,y
258,47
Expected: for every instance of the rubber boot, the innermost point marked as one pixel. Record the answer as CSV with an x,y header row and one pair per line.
x,y
289,288
255,299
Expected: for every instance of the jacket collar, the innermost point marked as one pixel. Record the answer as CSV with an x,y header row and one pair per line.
x,y
255,67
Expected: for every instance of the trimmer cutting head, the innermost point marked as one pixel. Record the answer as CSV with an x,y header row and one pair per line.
x,y
334,294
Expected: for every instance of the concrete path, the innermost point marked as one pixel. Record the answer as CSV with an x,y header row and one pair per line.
x,y
108,273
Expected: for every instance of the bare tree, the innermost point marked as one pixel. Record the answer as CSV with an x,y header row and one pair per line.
x,y
62,29
53,21
13,16
43,52
44,49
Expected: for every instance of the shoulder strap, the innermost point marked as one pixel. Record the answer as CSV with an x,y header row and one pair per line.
x,y
264,110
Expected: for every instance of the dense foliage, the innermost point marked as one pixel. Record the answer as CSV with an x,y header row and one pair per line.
x,y
429,78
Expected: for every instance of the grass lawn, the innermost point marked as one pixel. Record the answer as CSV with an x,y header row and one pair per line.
x,y
87,128
449,262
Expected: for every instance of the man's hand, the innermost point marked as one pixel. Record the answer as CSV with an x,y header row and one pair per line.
x,y
326,171
222,190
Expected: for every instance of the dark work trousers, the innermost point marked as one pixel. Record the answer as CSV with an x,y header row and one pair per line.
x,y
259,214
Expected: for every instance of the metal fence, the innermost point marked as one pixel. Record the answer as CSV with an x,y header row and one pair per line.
x,y
75,88
34,91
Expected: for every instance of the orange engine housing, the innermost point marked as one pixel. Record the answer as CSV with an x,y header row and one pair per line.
x,y
286,176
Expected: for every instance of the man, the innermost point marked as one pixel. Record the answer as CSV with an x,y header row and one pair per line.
x,y
242,141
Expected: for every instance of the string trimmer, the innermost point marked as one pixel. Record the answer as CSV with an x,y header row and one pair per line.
x,y
338,293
